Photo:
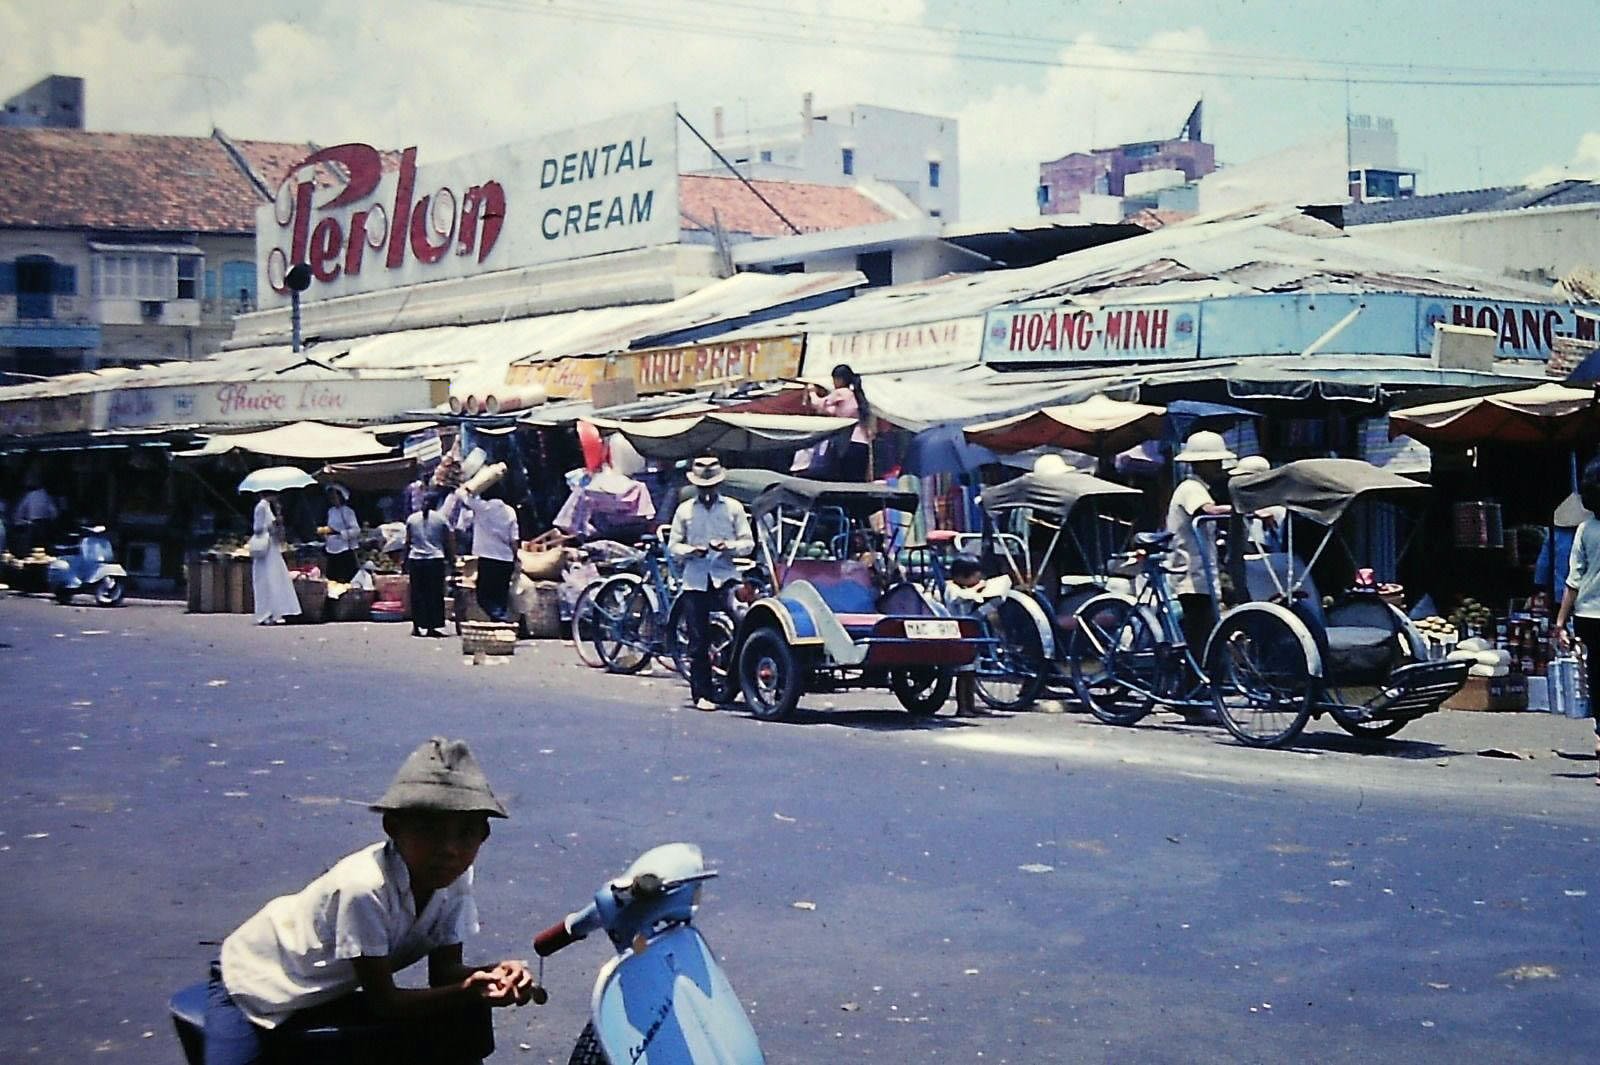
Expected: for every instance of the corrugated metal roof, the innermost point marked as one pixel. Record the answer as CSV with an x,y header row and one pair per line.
x,y
469,353
1473,201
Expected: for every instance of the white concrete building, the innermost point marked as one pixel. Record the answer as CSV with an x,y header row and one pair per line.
x,y
878,149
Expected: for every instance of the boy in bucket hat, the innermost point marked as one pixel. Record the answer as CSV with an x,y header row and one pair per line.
x,y
374,913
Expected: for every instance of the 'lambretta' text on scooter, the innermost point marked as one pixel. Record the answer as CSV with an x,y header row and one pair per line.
x,y
663,1000
87,565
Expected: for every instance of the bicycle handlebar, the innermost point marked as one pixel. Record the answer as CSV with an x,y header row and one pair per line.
x,y
557,937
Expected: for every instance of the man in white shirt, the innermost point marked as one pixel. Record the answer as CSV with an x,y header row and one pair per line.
x,y
708,533
494,541
1194,579
343,535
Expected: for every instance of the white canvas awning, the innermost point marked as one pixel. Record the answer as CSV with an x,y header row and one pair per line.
x,y
682,438
301,440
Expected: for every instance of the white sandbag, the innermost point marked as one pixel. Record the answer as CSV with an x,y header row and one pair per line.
x,y
1489,671
1494,658
1475,643
1459,655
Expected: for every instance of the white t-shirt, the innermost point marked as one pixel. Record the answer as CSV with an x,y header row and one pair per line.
x,y
296,951
494,527
1583,573
1191,565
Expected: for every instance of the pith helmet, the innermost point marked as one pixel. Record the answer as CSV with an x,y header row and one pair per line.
x,y
1205,446
441,775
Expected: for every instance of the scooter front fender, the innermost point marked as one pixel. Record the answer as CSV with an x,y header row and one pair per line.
x,y
109,569
670,1004
60,574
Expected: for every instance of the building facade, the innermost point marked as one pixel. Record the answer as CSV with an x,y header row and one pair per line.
x,y
55,102
907,153
1065,182
124,249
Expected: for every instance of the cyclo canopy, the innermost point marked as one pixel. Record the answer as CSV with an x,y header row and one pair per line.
x,y
1320,489
1055,493
856,500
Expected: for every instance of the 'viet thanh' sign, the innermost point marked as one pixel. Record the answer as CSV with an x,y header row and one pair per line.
x,y
1074,333
907,347
604,187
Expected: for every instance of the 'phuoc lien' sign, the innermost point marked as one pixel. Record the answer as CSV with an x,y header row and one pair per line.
x,y
604,187
262,402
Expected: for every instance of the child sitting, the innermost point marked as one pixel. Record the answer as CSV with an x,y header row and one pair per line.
x,y
374,913
968,590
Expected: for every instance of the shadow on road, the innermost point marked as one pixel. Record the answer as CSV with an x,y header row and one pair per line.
x,y
1340,743
884,720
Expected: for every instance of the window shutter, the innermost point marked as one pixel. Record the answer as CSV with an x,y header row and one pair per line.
x,y
8,278
66,279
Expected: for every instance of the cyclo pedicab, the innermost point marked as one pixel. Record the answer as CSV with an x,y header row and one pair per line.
x,y
1032,620
843,615
1279,658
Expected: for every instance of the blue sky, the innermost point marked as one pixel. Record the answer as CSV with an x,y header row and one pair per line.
x,y
458,75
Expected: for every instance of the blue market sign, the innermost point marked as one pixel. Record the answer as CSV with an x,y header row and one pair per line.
x,y
1268,324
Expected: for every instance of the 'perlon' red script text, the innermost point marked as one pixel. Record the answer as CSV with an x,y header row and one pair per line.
x,y
333,238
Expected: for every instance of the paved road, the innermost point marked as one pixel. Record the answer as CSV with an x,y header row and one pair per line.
x,y
1034,888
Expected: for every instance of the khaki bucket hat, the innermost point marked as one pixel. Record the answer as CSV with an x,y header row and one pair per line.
x,y
441,775
706,472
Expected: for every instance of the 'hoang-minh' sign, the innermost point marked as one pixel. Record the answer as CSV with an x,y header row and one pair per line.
x,y
363,222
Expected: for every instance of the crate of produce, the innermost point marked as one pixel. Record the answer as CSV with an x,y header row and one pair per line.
x,y
488,637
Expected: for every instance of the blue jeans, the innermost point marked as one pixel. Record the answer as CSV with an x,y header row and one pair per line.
x,y
231,1037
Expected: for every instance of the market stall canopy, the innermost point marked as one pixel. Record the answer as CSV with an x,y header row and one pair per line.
x,y
944,449
1544,414
684,438
1054,493
276,479
1097,426
858,500
301,440
1319,489
374,475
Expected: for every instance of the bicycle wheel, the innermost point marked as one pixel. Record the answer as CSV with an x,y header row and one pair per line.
x,y
1261,675
1011,672
586,628
1116,660
623,618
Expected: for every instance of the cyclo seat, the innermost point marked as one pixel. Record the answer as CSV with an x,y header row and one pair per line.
x,y
1153,542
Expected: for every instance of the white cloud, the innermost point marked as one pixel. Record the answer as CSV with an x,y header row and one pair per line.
x,y
1585,164
452,77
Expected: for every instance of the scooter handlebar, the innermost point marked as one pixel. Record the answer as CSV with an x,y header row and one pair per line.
x,y
553,939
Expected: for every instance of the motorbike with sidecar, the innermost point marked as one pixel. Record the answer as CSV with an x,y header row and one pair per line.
x,y
843,615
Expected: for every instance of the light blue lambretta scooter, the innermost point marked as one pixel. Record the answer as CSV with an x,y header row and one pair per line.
x,y
87,565
663,1000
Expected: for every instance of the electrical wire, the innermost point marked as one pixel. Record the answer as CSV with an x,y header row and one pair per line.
x,y
741,26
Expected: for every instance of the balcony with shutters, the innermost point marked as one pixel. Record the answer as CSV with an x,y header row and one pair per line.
x,y
40,306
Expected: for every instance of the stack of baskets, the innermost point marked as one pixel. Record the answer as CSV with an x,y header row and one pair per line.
x,y
488,637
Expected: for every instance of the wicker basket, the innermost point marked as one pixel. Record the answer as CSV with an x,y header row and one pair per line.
x,y
313,595
488,637
544,618
354,605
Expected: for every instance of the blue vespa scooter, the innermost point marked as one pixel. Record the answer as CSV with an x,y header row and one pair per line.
x,y
87,565
663,1000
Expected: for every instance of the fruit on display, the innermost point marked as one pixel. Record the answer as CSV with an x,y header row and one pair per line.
x,y
1438,629
1472,616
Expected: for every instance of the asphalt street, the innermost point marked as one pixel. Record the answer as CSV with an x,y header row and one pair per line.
x,y
1020,888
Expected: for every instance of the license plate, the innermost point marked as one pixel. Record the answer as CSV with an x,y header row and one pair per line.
x,y
933,630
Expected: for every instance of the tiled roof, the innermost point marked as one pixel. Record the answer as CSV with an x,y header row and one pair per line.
x,y
1473,201
812,208
73,179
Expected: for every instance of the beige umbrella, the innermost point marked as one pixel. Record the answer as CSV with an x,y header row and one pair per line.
x,y
1097,426
1543,414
